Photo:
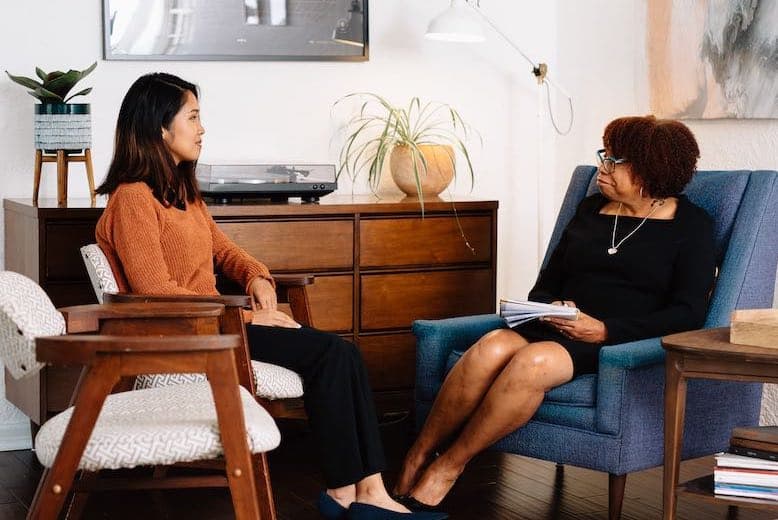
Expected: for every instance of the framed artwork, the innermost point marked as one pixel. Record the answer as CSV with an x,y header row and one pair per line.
x,y
711,59
235,30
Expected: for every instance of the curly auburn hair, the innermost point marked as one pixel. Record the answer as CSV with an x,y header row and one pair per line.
x,y
662,153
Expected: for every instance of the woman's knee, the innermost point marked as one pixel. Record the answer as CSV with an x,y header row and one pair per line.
x,y
545,364
495,348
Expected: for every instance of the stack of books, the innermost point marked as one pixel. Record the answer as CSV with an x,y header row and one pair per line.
x,y
750,469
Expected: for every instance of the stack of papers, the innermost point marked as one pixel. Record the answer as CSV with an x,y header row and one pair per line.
x,y
516,312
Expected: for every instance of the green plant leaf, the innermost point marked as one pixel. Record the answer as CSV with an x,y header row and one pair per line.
x,y
46,96
84,73
41,74
61,85
80,93
23,81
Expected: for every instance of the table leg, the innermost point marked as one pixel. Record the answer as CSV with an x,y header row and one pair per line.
x,y
62,181
675,409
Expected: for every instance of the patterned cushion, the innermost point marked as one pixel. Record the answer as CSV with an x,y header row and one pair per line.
x,y
25,313
157,426
100,273
272,381
275,382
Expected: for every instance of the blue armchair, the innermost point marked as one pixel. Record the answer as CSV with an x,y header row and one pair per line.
x,y
612,421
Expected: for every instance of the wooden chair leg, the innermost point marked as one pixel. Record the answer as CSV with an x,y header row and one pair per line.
x,y
36,182
58,480
62,184
90,177
616,484
79,497
223,378
267,506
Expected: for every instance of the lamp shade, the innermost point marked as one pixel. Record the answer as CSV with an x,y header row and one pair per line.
x,y
455,24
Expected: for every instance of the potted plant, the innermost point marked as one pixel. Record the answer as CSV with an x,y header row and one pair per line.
x,y
59,124
420,141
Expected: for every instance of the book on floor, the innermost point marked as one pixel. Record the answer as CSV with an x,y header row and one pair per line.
x,y
516,312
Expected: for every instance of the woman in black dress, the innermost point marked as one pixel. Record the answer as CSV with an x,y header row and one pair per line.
x,y
637,260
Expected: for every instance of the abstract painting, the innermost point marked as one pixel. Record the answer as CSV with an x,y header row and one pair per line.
x,y
711,59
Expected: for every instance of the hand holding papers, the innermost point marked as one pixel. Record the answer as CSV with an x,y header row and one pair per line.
x,y
516,312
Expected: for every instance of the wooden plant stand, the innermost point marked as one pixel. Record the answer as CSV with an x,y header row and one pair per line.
x,y
63,158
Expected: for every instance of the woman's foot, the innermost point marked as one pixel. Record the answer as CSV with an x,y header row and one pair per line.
x,y
381,500
435,483
413,466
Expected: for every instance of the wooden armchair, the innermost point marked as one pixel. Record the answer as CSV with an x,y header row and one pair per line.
x,y
278,389
142,427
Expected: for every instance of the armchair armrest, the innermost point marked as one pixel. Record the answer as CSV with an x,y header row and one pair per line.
x,y
228,300
633,354
81,349
293,280
436,339
637,364
87,318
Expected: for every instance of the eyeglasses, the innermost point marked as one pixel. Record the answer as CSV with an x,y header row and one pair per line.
x,y
606,163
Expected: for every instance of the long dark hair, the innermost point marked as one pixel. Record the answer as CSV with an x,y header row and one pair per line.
x,y
139,153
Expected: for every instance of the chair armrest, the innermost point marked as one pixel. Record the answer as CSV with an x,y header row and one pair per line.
x,y
293,280
86,318
436,339
637,364
81,349
228,300
634,354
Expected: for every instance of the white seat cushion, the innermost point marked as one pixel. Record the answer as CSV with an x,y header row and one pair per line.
x,y
272,381
157,426
276,382
25,313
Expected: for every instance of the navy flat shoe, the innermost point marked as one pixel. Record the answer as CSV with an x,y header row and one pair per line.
x,y
359,511
330,509
414,505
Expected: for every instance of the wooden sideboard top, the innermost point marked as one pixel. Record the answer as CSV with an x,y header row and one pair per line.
x,y
329,205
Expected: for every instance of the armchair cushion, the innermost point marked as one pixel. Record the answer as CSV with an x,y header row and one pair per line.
x,y
157,426
272,381
21,324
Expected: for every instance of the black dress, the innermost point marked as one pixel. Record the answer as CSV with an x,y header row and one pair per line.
x,y
656,284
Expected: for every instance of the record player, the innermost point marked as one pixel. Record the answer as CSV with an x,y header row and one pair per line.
x,y
278,182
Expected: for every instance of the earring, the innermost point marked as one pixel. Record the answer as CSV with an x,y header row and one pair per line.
x,y
641,192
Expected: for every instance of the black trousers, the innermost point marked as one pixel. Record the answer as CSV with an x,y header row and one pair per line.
x,y
337,397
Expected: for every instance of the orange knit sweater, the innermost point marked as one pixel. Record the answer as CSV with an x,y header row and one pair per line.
x,y
157,250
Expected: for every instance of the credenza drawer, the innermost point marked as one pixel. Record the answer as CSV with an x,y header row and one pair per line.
x,y
332,303
390,360
417,241
296,245
391,301
63,255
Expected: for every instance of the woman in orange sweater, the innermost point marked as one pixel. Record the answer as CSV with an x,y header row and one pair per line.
x,y
160,239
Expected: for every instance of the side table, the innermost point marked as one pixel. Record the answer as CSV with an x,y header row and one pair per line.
x,y
705,354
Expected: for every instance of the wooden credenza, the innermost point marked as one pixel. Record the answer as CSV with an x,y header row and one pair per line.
x,y
378,264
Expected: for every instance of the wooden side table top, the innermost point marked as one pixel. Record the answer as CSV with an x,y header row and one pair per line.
x,y
715,343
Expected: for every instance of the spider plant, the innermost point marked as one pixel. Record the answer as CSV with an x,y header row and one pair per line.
x,y
378,127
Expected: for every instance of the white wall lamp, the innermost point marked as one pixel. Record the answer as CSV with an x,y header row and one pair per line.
x,y
456,24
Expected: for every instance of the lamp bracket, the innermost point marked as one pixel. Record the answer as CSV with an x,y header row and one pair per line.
x,y
540,71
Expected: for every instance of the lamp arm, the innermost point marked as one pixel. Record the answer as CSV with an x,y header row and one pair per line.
x,y
540,70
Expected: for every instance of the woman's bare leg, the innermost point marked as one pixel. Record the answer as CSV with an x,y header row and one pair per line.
x,y
511,401
462,391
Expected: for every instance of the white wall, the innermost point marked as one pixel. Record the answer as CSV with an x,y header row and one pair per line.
x,y
601,51
280,111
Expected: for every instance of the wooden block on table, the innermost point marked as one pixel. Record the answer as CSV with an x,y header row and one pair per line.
x,y
756,327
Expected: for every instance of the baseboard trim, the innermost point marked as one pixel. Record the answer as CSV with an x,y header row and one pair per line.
x,y
15,436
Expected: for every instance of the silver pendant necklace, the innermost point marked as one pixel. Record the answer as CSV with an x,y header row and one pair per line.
x,y
614,248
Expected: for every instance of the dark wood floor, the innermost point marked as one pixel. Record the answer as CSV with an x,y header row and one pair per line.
x,y
494,486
